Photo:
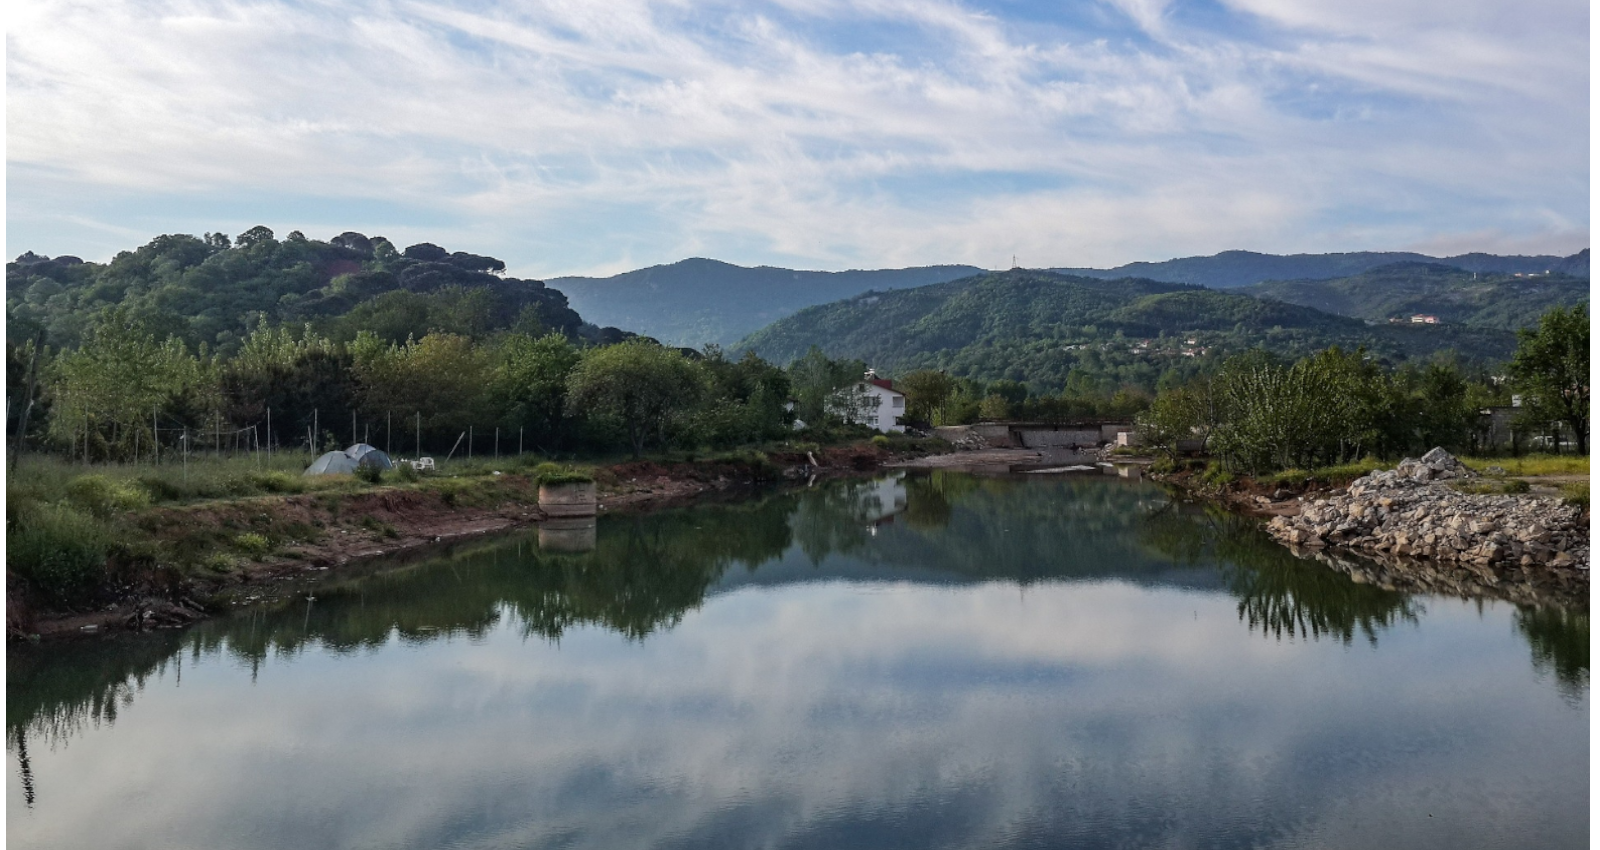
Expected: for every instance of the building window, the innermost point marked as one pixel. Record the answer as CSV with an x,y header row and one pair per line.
x,y
899,401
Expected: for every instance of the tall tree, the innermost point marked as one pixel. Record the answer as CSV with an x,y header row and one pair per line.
x,y
639,382
1551,368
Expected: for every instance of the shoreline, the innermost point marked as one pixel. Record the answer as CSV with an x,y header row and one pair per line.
x,y
394,522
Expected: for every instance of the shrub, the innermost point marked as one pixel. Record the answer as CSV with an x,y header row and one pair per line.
x,y
407,473
100,496
880,441
1575,493
1215,474
252,544
59,552
369,472
1515,485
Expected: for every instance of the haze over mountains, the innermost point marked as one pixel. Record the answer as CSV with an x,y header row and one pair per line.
x,y
699,301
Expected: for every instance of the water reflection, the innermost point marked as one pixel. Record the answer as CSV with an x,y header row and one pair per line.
x,y
1013,657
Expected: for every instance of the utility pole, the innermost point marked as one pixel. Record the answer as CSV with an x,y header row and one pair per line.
x,y
419,435
469,442
316,430
269,436
388,433
497,442
353,437
33,376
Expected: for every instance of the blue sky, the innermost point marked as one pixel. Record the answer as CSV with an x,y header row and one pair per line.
x,y
595,137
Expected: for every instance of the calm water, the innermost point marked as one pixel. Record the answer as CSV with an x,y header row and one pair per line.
x,y
936,661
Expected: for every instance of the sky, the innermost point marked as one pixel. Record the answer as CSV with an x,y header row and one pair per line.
x,y
571,137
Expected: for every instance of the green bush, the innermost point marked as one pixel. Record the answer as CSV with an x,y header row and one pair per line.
x,y
1515,485
369,472
101,497
1215,474
1575,493
880,441
59,552
407,473
252,544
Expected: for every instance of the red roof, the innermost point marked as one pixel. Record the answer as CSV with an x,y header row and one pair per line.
x,y
882,382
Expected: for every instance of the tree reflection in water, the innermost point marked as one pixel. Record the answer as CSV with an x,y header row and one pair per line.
x,y
647,572
1279,595
1560,641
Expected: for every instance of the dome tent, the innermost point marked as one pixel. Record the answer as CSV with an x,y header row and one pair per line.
x,y
346,461
365,455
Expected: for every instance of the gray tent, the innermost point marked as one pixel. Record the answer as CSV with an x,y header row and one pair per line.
x,y
365,455
346,461
332,463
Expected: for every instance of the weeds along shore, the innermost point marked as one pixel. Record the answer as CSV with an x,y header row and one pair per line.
x,y
132,546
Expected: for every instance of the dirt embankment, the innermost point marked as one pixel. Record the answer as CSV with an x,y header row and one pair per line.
x,y
317,534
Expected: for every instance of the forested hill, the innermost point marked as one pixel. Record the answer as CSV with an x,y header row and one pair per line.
x,y
1039,327
1242,268
1401,290
697,301
215,290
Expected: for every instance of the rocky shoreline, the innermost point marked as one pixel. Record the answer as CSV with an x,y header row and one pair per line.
x,y
1421,530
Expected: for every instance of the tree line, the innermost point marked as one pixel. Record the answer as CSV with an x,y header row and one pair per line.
x,y
1259,413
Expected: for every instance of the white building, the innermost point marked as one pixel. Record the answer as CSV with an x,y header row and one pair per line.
x,y
871,401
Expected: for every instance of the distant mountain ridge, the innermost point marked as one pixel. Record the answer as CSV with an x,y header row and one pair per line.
x,y
1448,293
1242,268
1042,328
698,301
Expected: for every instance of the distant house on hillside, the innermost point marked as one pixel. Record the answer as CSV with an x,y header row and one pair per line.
x,y
1422,319
871,401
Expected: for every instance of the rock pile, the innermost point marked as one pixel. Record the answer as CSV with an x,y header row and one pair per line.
x,y
970,442
1412,512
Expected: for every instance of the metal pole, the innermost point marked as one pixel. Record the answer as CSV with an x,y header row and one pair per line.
x,y
419,435
519,441
316,430
469,443
353,427
155,432
497,442
388,432
269,436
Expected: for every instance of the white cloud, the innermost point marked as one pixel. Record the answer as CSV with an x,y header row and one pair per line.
x,y
827,134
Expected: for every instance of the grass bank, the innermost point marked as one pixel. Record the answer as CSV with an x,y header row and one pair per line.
x,y
82,538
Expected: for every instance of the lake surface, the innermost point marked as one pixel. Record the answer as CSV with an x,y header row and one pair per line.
x,y
926,661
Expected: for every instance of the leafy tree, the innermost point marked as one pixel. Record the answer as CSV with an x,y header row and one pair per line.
x,y
640,383
928,395
440,378
1551,368
814,377
106,391
529,385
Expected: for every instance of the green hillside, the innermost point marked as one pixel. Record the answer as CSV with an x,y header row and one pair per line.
x,y
214,290
1401,290
1243,268
697,301
1041,327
